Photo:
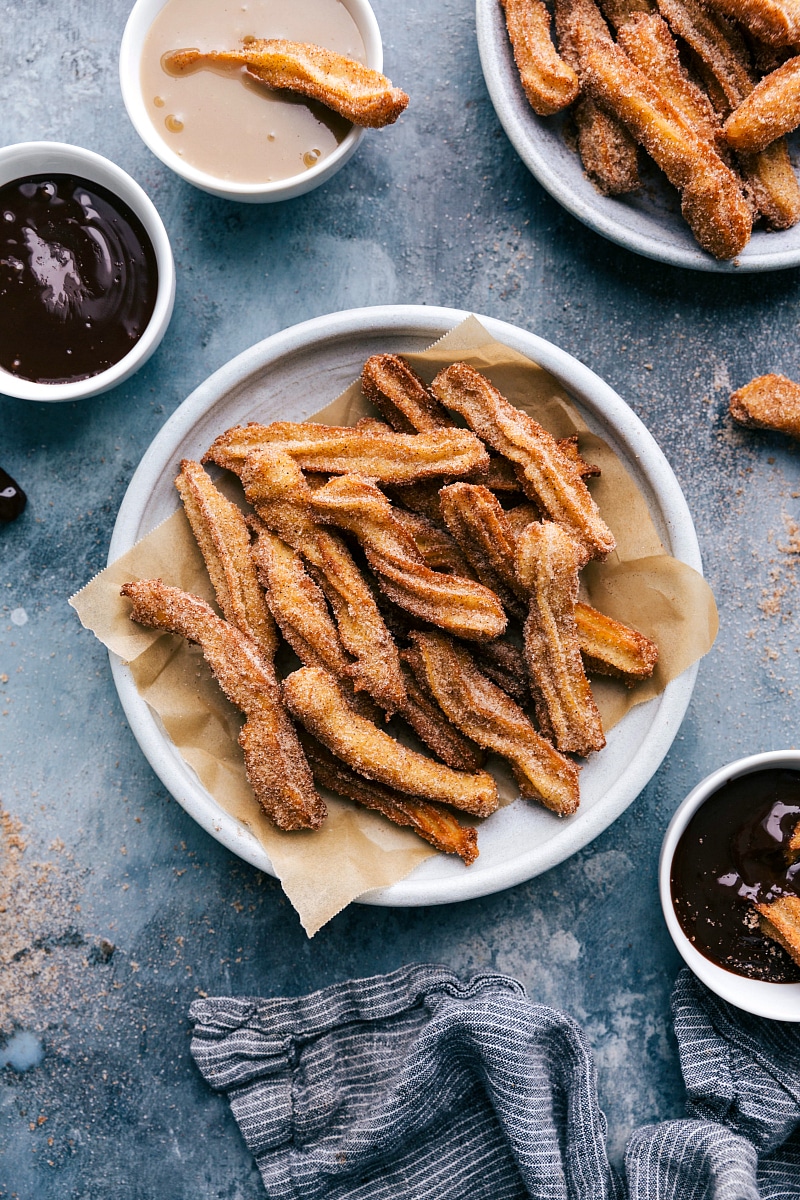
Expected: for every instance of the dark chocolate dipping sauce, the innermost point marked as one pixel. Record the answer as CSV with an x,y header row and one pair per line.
x,y
12,497
732,853
78,278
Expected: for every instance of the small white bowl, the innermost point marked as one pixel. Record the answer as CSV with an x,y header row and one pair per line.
x,y
43,158
778,1001
143,14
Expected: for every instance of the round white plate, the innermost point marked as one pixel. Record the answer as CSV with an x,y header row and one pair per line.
x,y
649,221
290,376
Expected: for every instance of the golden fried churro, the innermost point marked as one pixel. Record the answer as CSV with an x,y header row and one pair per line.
x,y
364,449
548,82
719,47
776,22
274,762
314,698
619,12
549,476
422,498
356,92
611,648
298,604
548,561
485,713
440,551
773,184
459,605
647,41
432,727
780,920
609,154
479,525
768,402
771,109
432,822
221,533
505,665
401,397
274,485
518,517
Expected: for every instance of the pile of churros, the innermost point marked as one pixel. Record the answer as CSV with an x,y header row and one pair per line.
x,y
421,571
708,89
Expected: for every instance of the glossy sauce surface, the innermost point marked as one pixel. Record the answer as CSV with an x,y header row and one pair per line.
x,y
732,853
224,122
12,497
78,278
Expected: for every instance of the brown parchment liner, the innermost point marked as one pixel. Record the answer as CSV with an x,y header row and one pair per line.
x,y
357,850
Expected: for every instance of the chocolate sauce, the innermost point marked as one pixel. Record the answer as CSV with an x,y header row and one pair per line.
x,y
12,497
78,278
732,854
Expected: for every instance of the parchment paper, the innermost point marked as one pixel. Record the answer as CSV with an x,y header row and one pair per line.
x,y
357,850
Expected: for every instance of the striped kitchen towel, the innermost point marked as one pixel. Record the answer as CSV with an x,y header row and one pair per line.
x,y
415,1085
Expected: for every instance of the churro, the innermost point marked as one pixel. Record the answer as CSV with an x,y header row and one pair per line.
x,y
770,110
548,561
550,478
275,486
356,92
484,712
276,767
608,152
221,533
401,397
479,526
431,821
369,449
768,402
461,606
440,551
776,22
780,920
610,648
314,698
548,82
432,727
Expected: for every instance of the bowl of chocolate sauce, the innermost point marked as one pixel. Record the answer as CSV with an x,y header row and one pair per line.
x,y
729,862
87,279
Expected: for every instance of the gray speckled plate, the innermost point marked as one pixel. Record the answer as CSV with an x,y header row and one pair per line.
x,y
295,373
648,222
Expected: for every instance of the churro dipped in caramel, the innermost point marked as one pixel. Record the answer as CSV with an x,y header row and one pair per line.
x,y
356,92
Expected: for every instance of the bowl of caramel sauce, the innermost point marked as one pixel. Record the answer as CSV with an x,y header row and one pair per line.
x,y
729,879
87,279
222,130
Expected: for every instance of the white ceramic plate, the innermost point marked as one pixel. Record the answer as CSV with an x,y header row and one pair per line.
x,y
648,222
295,373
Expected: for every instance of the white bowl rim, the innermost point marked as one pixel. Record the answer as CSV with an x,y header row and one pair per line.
x,y
139,21
776,1001
430,322
30,157
757,257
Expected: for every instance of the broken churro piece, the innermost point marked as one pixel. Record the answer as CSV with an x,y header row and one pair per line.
x,y
461,606
356,92
221,533
771,109
313,697
548,82
433,822
485,713
548,561
780,920
367,449
768,402
401,397
550,478
276,767
275,486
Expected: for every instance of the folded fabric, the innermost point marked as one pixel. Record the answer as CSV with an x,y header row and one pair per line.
x,y
414,1085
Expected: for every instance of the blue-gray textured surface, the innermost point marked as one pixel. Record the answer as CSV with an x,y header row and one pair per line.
x,y
437,209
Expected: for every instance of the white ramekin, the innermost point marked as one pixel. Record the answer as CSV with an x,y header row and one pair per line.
x,y
43,158
778,1001
142,16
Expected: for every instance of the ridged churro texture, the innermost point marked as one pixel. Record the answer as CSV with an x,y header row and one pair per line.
x,y
314,698
356,92
275,764
549,83
780,920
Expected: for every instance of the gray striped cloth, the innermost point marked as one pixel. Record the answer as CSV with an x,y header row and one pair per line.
x,y
415,1085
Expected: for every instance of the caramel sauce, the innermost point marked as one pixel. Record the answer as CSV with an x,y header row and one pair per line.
x,y
78,279
733,853
223,121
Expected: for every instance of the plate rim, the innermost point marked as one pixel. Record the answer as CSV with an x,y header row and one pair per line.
x,y
419,321
510,117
